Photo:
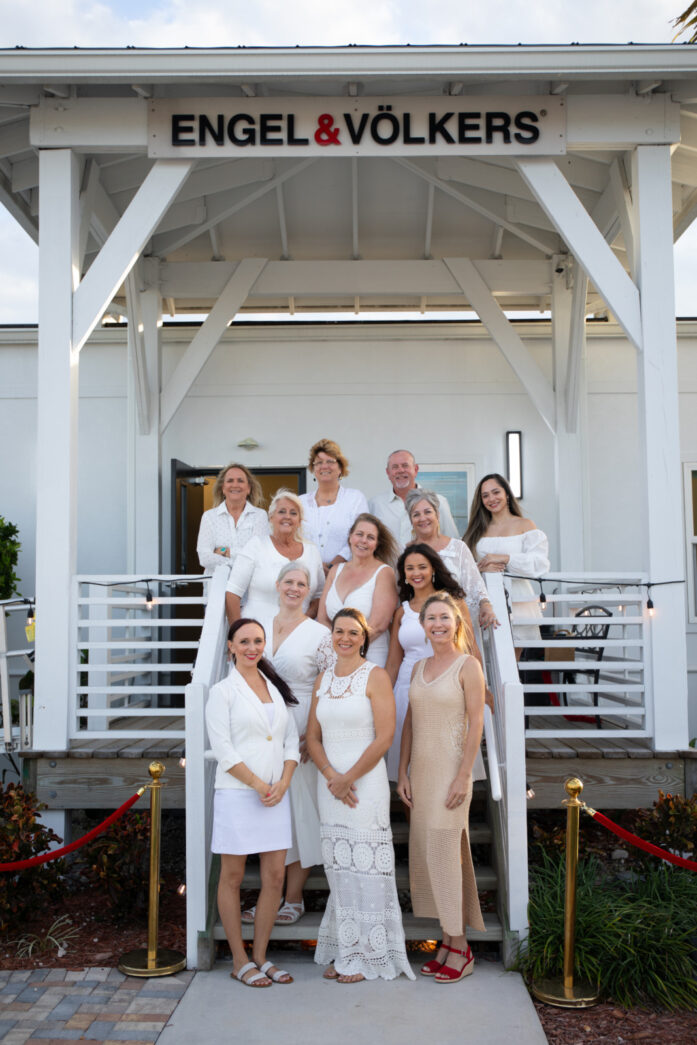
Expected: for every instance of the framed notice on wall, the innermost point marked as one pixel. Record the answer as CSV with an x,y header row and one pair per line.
x,y
455,482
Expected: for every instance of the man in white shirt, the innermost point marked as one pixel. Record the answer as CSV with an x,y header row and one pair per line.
x,y
402,470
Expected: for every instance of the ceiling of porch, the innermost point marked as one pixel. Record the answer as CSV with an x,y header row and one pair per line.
x,y
318,210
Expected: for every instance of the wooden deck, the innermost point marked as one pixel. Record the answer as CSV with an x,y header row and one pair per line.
x,y
617,773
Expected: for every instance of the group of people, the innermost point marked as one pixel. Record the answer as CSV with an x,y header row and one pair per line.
x,y
354,662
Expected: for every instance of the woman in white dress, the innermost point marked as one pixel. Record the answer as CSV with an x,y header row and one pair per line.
x,y
238,516
423,508
349,730
293,641
365,582
251,585
504,541
331,508
251,809
420,573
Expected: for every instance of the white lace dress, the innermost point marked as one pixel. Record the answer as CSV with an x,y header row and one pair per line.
x,y
361,931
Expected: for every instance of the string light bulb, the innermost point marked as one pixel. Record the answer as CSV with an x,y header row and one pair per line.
x,y
649,600
543,597
149,601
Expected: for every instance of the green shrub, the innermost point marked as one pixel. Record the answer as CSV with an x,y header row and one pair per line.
x,y
672,823
9,551
119,861
635,938
21,837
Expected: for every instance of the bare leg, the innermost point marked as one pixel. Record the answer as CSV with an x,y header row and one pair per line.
x,y
272,874
296,876
231,875
458,943
518,652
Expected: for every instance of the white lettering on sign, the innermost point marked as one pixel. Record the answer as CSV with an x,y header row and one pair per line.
x,y
462,126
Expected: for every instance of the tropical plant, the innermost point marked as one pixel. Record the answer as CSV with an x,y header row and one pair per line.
x,y
634,938
21,837
9,551
119,860
58,935
687,21
672,823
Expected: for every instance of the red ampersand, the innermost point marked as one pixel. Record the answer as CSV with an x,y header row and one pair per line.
x,y
326,133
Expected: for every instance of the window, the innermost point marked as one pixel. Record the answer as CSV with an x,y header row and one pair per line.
x,y
455,482
691,539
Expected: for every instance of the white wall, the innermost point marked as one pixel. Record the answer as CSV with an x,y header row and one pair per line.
x,y
442,390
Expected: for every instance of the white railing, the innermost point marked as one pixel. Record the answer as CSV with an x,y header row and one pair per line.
x,y
596,682
506,752
15,737
126,629
210,667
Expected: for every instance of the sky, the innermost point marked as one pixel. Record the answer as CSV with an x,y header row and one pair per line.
x,y
213,23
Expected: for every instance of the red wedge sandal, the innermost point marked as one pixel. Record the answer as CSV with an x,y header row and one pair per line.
x,y
446,973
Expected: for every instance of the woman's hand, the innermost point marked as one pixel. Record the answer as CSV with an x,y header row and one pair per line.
x,y
404,790
458,791
493,563
304,753
274,793
487,617
489,700
343,790
222,550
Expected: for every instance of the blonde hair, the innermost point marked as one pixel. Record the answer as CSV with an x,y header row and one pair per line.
x,y
255,495
288,495
332,449
461,630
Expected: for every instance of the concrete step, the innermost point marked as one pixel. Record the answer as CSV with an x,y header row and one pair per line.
x,y
414,929
486,878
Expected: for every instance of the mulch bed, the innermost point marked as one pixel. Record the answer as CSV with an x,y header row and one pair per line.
x,y
102,939
609,1025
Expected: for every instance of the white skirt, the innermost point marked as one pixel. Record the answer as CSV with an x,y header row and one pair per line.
x,y
242,825
306,846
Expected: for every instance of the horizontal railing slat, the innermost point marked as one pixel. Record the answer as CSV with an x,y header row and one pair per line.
x,y
582,643
135,644
129,602
122,691
579,687
142,622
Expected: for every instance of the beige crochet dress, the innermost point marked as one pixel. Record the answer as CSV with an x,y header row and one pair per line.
x,y
441,873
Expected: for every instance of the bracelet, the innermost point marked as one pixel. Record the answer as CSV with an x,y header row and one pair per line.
x,y
325,767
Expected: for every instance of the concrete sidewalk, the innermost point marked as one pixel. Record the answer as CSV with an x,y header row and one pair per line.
x,y
492,1007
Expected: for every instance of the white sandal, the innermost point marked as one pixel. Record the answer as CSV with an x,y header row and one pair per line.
x,y
280,976
249,915
252,981
290,913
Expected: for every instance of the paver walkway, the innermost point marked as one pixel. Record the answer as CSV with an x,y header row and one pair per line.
x,y
58,1005
102,1005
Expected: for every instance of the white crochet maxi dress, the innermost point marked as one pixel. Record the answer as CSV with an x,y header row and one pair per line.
x,y
361,931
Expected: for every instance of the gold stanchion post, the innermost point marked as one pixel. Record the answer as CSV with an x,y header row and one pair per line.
x,y
153,960
562,991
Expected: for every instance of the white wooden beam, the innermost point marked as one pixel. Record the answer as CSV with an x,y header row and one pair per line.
x,y
585,241
208,336
619,185
282,226
218,177
97,124
545,246
136,350
144,478
429,221
14,137
660,443
205,280
119,253
56,444
470,280
577,349
17,207
685,216
171,241
355,242
570,470
620,122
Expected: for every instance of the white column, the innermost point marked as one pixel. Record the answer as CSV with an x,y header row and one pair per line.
x,y
569,464
660,442
56,471
144,479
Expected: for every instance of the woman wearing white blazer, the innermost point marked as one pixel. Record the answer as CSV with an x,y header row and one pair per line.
x,y
255,741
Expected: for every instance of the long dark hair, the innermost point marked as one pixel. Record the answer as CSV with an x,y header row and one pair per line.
x,y
354,614
443,579
480,517
265,666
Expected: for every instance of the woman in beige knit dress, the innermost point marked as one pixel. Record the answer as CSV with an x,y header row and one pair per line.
x,y
440,741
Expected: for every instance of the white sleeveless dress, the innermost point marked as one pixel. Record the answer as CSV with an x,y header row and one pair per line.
x,y
361,930
360,599
416,647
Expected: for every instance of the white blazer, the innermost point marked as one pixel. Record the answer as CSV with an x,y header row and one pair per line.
x,y
239,731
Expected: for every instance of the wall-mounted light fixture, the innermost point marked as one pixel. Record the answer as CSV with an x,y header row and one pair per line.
x,y
514,462
248,444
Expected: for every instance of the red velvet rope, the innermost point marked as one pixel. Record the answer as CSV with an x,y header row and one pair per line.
x,y
640,843
54,854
